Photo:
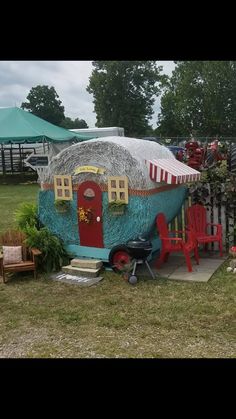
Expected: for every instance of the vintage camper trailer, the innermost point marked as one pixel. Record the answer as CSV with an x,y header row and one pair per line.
x,y
115,187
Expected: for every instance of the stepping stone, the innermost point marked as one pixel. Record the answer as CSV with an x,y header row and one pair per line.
x,y
72,270
86,263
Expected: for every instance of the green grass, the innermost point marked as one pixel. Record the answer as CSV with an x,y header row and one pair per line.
x,y
156,318
10,198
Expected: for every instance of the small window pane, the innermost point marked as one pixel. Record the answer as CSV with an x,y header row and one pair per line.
x,y
122,196
67,193
59,192
113,184
59,182
66,182
121,183
113,196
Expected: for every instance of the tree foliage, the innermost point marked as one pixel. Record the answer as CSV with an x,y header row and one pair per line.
x,y
68,123
200,97
43,101
124,93
218,187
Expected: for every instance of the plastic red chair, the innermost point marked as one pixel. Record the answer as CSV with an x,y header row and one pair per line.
x,y
171,244
197,222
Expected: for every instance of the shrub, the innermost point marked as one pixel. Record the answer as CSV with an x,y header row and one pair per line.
x,y
54,254
26,215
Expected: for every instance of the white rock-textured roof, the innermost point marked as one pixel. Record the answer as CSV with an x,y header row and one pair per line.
x,y
139,148
118,155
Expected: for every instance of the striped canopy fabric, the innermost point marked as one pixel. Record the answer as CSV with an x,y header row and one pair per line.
x,y
172,171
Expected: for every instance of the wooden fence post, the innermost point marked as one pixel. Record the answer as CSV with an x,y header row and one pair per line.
x,y
3,160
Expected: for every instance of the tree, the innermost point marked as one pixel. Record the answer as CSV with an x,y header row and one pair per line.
x,y
44,103
200,97
124,93
80,123
68,123
168,121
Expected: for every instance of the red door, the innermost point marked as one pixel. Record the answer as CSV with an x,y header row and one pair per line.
x,y
90,214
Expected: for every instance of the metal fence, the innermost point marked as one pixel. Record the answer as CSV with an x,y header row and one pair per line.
x,y
177,140
12,157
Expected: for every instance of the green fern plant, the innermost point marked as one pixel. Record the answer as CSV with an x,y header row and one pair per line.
x,y
54,254
26,215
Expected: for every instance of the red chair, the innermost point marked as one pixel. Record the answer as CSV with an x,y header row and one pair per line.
x,y
171,244
196,218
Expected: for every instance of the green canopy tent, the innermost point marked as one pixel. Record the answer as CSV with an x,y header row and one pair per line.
x,y
21,127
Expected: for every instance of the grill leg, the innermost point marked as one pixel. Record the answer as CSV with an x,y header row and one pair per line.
x,y
152,274
134,268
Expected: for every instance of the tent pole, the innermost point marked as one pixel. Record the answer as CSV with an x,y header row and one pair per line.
x,y
11,159
20,165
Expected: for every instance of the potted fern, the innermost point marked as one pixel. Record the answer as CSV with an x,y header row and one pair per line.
x,y
117,207
54,255
62,205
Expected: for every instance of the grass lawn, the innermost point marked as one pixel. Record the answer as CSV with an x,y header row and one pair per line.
x,y
10,198
155,318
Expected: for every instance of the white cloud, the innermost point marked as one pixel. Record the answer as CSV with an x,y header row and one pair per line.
x,y
69,78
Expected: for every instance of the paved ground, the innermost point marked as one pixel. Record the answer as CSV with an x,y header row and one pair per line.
x,y
176,268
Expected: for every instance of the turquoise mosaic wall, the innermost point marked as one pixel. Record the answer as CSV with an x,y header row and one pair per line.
x,y
140,215
63,225
137,219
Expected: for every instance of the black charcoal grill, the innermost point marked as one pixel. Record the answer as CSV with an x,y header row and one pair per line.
x,y
139,250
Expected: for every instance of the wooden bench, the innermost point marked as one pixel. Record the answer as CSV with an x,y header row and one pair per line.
x,y
17,238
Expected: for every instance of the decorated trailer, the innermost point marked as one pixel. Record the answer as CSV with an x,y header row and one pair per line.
x,y
101,193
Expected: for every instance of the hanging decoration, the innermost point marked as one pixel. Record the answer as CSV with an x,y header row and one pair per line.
x,y
85,215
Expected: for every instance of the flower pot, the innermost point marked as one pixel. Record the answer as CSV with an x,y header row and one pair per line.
x,y
62,210
62,206
118,212
117,207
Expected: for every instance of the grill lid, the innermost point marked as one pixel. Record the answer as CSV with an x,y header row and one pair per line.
x,y
139,244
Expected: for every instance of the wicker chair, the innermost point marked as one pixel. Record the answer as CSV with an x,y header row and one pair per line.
x,y
28,263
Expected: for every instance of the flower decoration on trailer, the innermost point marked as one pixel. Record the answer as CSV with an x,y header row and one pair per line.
x,y
85,215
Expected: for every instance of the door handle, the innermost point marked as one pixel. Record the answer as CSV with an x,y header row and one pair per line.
x,y
98,219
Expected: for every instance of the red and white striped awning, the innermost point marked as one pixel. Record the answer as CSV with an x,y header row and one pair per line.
x,y
172,171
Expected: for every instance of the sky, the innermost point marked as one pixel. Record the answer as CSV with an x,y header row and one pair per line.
x,y
69,78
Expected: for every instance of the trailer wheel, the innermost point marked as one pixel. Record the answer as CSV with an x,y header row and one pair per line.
x,y
119,257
